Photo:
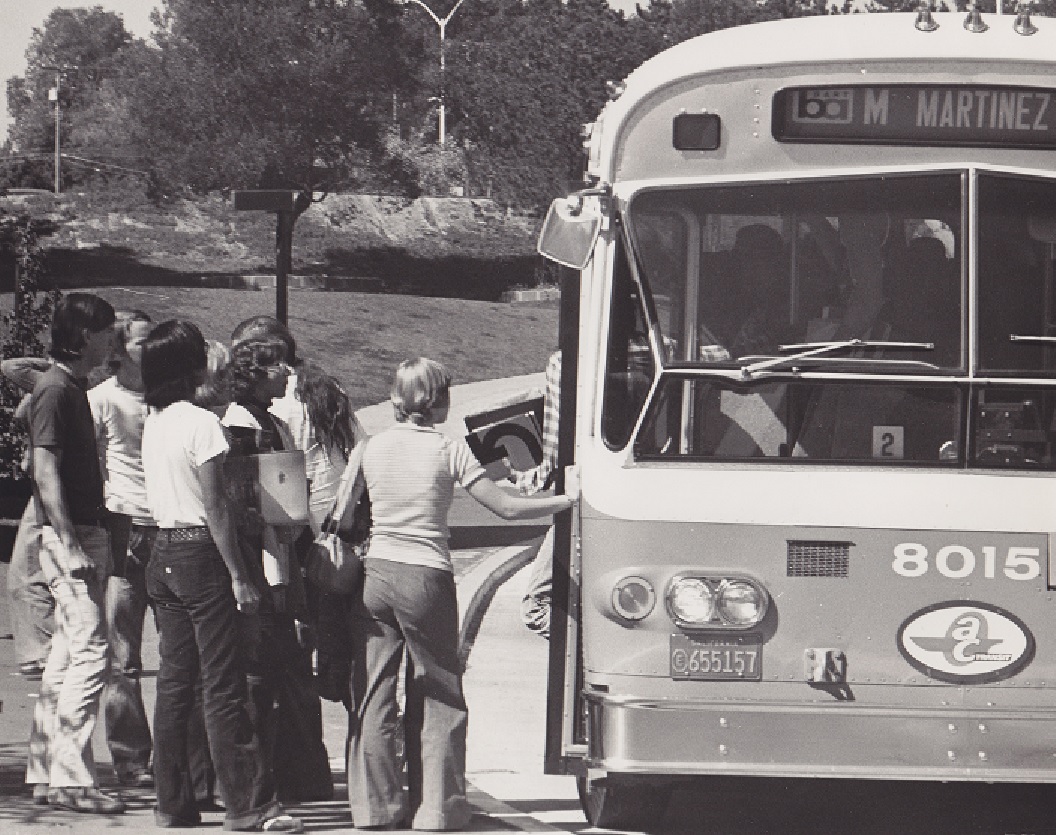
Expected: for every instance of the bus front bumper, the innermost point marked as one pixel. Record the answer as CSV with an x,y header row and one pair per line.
x,y
669,737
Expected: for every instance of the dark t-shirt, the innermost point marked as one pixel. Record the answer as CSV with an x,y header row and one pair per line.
x,y
61,419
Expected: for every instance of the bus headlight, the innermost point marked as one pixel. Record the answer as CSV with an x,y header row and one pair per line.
x,y
740,603
716,601
691,601
633,598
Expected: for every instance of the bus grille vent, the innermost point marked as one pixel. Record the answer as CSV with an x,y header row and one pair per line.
x,y
818,559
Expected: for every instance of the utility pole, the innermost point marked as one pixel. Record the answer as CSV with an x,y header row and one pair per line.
x,y
55,95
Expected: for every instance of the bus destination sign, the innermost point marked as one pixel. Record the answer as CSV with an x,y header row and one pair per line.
x,y
918,114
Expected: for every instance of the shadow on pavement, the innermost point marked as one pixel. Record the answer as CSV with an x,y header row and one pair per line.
x,y
756,806
395,270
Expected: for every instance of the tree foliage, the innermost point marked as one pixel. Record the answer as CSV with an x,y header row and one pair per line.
x,y
343,94
524,78
242,93
85,45
21,327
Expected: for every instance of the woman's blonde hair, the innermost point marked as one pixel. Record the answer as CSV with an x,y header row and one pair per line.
x,y
420,386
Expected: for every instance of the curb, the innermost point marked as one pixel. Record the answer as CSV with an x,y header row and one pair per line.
x,y
354,284
477,588
540,294
347,284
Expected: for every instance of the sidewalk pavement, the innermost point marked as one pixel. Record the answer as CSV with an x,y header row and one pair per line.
x,y
505,687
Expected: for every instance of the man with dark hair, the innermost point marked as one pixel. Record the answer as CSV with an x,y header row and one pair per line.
x,y
75,559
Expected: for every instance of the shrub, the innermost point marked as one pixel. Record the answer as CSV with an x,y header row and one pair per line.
x,y
21,327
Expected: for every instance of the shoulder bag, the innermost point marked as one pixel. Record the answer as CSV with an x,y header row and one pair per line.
x,y
335,560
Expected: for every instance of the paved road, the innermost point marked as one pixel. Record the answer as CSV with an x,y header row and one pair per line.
x,y
505,688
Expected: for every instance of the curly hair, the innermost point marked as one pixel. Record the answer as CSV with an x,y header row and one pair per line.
x,y
328,408
249,364
257,328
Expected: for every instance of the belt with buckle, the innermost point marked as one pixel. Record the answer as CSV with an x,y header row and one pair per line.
x,y
198,534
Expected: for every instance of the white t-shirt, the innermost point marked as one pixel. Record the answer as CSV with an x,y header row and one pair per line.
x,y
118,414
323,466
411,473
176,442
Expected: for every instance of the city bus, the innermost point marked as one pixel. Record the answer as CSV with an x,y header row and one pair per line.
x,y
809,329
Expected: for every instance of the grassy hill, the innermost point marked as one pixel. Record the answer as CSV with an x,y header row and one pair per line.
x,y
460,254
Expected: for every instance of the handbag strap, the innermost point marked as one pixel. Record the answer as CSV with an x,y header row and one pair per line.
x,y
345,488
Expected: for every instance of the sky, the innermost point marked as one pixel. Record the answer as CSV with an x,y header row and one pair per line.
x,y
18,19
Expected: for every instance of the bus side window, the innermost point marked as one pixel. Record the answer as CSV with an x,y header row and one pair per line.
x,y
629,365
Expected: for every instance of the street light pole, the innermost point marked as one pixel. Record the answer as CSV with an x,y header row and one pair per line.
x,y
441,22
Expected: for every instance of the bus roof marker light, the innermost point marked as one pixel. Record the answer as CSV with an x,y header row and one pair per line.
x,y
925,22
1023,26
974,22
696,131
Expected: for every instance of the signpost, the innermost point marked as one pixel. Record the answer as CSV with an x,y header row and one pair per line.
x,y
287,205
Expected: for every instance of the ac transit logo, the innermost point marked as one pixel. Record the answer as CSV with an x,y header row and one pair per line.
x,y
832,106
966,642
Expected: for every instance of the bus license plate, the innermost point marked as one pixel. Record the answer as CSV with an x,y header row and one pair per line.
x,y
736,658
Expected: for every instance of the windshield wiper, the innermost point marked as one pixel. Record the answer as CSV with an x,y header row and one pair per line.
x,y
807,350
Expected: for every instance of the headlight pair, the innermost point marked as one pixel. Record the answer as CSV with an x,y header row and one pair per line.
x,y
696,600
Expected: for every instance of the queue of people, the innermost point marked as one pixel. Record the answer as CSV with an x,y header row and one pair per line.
x,y
131,510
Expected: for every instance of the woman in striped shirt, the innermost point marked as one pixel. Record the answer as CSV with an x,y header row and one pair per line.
x,y
408,602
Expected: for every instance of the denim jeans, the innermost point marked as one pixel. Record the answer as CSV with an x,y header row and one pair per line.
x,y
32,603
199,639
414,607
285,708
67,707
127,728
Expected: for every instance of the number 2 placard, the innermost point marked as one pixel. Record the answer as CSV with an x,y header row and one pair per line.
x,y
889,442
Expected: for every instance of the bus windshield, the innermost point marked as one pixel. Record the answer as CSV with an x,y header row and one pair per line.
x,y
861,279
739,271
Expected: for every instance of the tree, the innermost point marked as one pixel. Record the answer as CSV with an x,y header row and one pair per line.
x,y
88,43
523,79
243,93
22,326
526,76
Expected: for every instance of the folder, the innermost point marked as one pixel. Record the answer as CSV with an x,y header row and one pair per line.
x,y
274,483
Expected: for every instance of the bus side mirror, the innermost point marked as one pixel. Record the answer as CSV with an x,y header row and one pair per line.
x,y
569,232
